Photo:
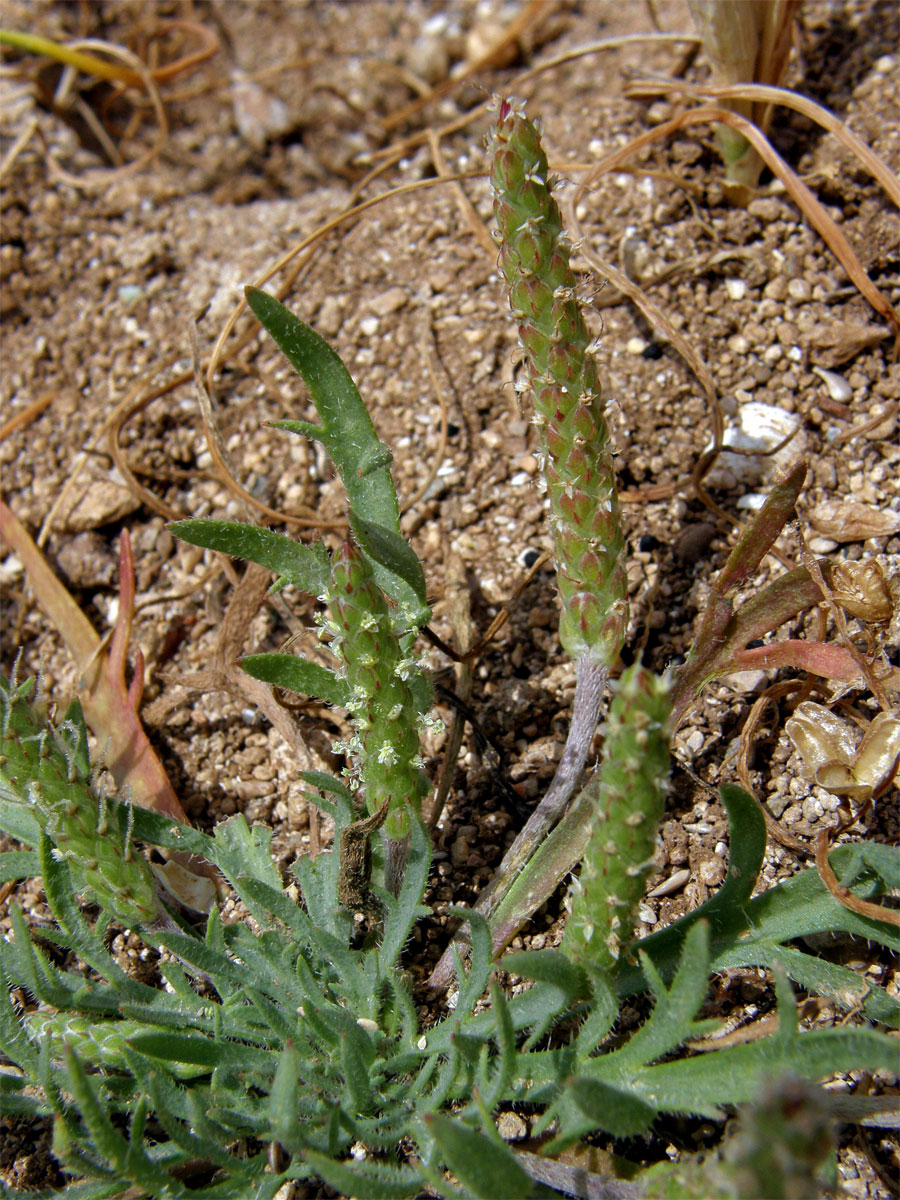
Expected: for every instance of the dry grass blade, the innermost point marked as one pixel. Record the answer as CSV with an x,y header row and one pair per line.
x,y
102,178
322,231
798,191
28,414
397,150
657,317
769,696
878,169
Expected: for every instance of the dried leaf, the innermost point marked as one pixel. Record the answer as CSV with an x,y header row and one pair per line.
x,y
839,341
849,521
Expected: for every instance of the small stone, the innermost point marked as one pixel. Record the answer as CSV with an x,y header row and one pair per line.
x,y
712,872
694,741
329,317
694,541
511,1127
459,851
775,289
97,500
253,789
838,387
736,289
388,302
369,326
87,560
744,681
799,290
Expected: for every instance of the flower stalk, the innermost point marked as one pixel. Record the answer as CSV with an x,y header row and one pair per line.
x,y
389,700
575,453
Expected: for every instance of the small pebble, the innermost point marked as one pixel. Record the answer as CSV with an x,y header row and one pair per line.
x,y
694,741
736,289
799,290
838,387
388,302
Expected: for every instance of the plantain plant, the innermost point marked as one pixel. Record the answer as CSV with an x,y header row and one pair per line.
x,y
280,1045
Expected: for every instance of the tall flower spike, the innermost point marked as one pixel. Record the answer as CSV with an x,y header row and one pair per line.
x,y
630,796
569,410
386,691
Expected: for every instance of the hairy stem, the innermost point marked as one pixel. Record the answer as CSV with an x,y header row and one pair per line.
x,y
590,688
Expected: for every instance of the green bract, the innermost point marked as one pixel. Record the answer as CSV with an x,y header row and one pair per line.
x,y
47,769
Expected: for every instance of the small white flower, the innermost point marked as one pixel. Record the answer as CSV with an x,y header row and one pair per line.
x,y
405,668
387,754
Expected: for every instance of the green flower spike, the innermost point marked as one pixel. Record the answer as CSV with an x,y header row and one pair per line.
x,y
630,798
576,460
47,769
389,696
568,407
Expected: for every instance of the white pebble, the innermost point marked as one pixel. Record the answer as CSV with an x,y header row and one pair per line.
x,y
799,289
736,288
838,387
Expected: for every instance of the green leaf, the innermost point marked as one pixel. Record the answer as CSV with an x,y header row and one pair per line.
x,y
752,932
673,1013
203,1051
307,567
609,1108
283,1100
373,1180
347,432
296,674
479,1163
549,966
734,1075
393,552
16,820
18,864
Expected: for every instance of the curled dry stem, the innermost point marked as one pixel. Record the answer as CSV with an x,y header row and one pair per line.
x,y
843,895
102,178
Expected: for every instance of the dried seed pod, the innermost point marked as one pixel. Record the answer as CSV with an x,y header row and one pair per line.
x,y
861,588
839,758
